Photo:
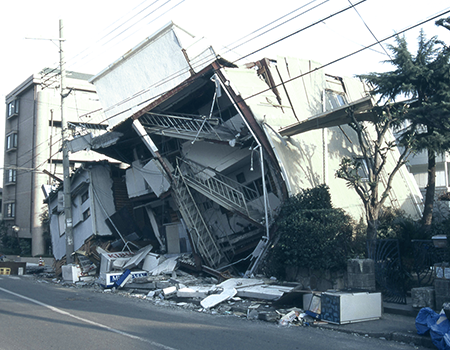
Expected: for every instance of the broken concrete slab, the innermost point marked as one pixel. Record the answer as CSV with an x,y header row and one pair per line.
x,y
240,283
169,291
215,299
194,292
263,292
166,267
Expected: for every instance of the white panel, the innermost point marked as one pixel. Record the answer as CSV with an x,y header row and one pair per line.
x,y
135,182
153,175
148,70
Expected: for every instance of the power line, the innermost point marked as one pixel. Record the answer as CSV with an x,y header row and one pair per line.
x,y
300,30
116,28
154,19
352,53
385,51
278,25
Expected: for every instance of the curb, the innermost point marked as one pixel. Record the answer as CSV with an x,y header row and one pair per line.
x,y
420,340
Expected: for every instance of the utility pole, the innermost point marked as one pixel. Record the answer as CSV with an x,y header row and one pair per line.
x,y
65,150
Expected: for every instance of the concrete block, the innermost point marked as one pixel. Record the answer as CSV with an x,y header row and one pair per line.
x,y
441,292
361,274
423,297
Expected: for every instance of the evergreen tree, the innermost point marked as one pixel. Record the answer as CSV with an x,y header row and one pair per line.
x,y
422,84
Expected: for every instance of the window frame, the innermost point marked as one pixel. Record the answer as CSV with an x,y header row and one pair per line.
x,y
11,176
11,141
13,108
84,196
86,214
10,210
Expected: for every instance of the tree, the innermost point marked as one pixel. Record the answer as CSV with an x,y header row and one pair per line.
x,y
420,84
364,172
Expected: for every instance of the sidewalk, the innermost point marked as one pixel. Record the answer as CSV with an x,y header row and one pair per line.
x,y
397,324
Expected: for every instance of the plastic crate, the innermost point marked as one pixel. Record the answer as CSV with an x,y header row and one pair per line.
x,y
5,271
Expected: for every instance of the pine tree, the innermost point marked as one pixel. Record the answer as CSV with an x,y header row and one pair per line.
x,y
422,84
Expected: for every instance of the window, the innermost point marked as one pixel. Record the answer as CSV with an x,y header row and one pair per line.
x,y
13,108
12,175
11,141
363,170
86,214
334,100
10,211
84,197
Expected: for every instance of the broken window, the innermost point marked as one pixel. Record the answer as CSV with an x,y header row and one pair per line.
x,y
334,100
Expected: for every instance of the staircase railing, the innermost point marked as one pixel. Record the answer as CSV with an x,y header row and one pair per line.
x,y
219,186
181,124
202,238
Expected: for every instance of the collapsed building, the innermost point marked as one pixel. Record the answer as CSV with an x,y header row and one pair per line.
x,y
213,149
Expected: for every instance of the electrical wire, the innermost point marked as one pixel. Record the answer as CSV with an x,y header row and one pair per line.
x,y
265,26
352,53
338,59
384,49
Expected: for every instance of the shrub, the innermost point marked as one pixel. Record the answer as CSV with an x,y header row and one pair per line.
x,y
312,234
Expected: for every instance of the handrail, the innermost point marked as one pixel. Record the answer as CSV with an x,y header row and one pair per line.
x,y
178,123
220,185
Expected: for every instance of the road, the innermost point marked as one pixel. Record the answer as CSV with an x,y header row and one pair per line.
x,y
38,315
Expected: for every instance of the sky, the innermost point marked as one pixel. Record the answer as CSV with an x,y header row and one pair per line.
x,y
98,32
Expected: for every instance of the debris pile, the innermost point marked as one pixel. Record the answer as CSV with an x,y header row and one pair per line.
x,y
164,280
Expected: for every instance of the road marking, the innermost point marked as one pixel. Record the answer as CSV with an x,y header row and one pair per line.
x,y
62,312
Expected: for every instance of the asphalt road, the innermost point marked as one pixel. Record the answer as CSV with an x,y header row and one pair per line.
x,y
38,315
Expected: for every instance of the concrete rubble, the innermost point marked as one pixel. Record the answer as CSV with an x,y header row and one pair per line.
x,y
161,279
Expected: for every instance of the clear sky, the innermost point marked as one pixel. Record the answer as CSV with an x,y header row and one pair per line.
x,y
98,32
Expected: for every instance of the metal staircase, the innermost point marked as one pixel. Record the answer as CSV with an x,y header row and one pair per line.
x,y
184,127
226,192
203,239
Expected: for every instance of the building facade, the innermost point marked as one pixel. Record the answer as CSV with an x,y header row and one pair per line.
x,y
218,153
33,157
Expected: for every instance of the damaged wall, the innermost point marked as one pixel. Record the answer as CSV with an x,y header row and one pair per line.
x,y
312,158
92,203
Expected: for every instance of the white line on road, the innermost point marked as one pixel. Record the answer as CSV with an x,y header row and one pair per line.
x,y
62,312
